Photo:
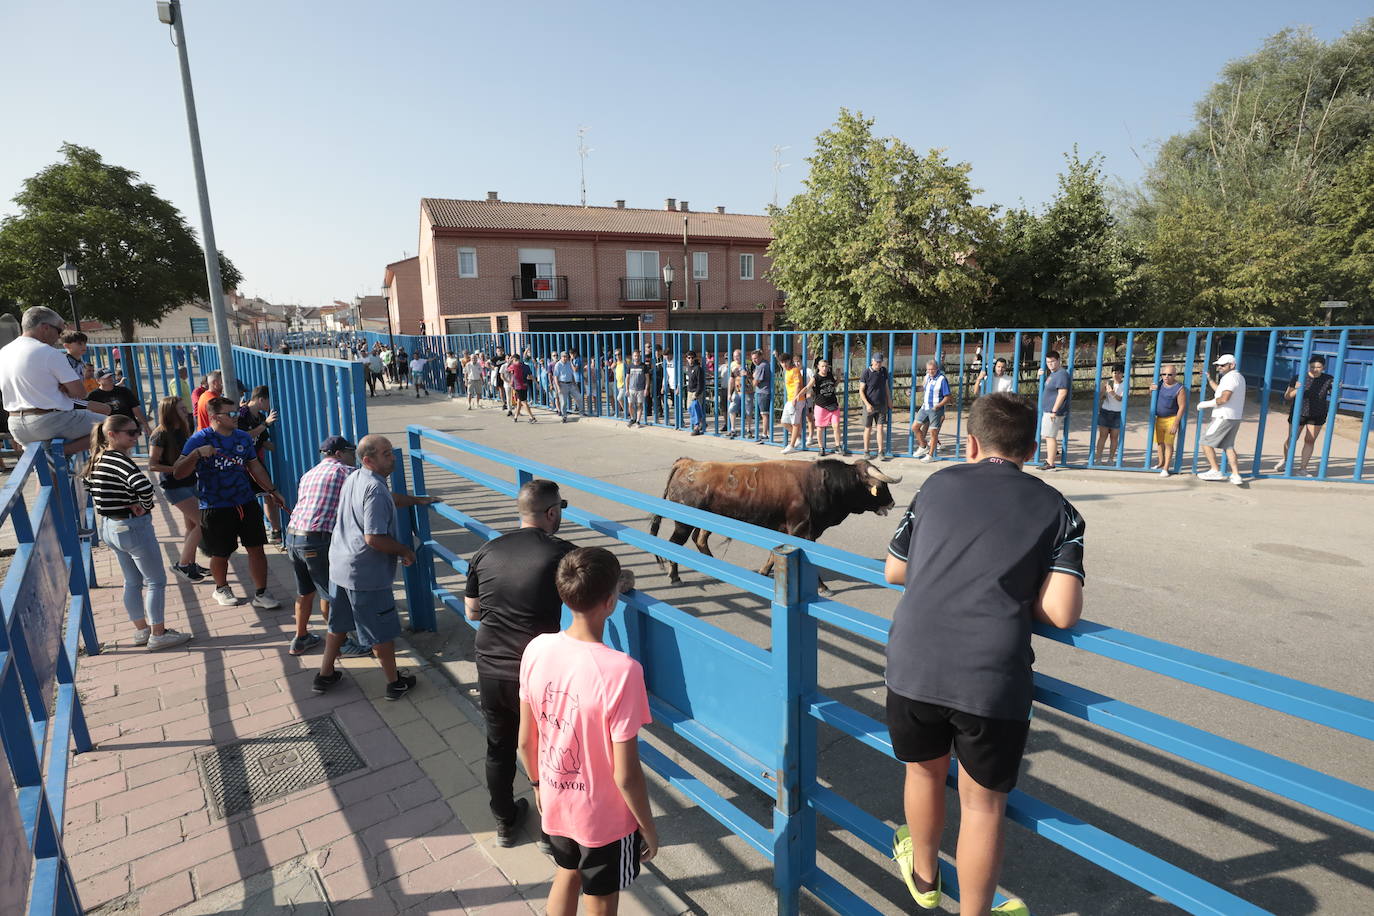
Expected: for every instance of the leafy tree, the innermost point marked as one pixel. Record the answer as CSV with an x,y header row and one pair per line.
x,y
138,258
881,237
1346,213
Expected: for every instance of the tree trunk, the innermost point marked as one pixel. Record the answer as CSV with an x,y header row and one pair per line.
x,y
126,330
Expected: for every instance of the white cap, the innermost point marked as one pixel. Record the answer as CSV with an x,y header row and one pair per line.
x,y
1224,360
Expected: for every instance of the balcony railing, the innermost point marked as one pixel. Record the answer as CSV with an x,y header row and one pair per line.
x,y
535,289
641,289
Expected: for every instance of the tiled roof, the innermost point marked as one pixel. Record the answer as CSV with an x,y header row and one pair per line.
x,y
500,214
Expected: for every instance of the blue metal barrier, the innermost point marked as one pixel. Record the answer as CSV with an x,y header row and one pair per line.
x,y
696,672
46,610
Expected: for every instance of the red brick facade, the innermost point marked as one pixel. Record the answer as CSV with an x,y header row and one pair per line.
x,y
406,296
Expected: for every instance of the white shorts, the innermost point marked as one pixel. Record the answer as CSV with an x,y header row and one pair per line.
x,y
1051,426
789,413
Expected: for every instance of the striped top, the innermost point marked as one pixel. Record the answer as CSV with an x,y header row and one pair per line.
x,y
117,484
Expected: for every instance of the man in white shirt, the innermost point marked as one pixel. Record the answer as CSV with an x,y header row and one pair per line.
x,y
1227,409
42,392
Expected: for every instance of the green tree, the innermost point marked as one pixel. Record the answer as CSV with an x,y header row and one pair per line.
x,y
881,237
1346,215
138,258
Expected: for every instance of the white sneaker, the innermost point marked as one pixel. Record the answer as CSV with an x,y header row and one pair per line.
x,y
929,457
168,639
1237,479
921,453
141,636
265,601
788,449
225,596
1211,475
1163,472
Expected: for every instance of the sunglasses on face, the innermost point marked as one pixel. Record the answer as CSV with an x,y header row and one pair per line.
x,y
561,504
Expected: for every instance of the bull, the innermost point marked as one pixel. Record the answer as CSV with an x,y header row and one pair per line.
x,y
799,498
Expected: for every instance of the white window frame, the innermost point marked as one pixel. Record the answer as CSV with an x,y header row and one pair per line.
x,y
746,274
701,262
473,273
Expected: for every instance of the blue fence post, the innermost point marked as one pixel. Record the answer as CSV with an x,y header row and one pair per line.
x,y
794,675
419,577
1337,373
1295,418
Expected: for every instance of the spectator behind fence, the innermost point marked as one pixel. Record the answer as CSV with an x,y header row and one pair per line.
x,y
75,342
1170,404
511,590
214,388
165,445
1002,378
256,417
1054,409
122,401
582,705
41,391
183,385
452,373
959,655
226,464
827,409
123,499
636,390
363,552
791,405
694,383
1228,407
935,397
1112,401
1315,391
875,390
762,376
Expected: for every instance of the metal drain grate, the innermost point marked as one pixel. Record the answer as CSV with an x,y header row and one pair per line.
x,y
247,773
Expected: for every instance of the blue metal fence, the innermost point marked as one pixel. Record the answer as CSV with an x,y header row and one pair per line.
x,y
46,610
696,672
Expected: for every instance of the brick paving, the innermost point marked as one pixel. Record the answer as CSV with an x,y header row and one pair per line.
x,y
409,833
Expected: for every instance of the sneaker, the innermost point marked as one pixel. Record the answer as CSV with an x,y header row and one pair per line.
x,y
398,688
1211,475
508,832
788,449
1012,907
167,639
562,419
1279,466
303,644
265,601
323,682
200,569
189,572
1310,474
1163,472
870,454
928,457
141,636
225,596
354,649
1237,479
902,854
920,452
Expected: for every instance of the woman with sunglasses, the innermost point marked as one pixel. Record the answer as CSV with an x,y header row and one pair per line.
x,y
123,499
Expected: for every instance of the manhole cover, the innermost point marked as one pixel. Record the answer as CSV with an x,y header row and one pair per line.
x,y
246,773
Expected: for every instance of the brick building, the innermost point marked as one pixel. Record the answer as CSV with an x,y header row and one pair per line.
x,y
493,265
404,298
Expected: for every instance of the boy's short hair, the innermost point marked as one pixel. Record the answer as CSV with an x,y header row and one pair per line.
x,y
261,391
1003,423
72,337
587,577
1053,354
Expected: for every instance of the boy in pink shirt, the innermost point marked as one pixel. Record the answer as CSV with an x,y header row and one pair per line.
x,y
582,704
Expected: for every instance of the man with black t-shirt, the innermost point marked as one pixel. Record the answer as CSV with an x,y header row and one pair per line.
x,y
511,589
984,550
122,401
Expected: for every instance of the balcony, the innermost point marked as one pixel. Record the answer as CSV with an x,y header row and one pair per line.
x,y
641,289
539,289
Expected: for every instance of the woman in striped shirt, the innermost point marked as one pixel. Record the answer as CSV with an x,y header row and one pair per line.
x,y
123,498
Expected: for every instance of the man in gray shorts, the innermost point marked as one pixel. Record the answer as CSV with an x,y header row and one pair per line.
x,y
1228,407
935,397
42,392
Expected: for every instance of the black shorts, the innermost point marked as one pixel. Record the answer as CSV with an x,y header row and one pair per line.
x,y
222,530
518,395
605,870
874,417
989,750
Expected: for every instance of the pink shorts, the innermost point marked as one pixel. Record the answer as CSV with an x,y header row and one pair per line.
x,y
826,417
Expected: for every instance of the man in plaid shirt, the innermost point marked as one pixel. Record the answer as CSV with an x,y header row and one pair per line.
x,y
308,535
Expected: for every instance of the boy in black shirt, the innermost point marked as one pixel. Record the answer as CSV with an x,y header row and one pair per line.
x,y
983,550
122,401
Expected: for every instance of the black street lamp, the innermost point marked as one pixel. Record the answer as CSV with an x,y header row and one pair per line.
x,y
668,275
390,334
69,276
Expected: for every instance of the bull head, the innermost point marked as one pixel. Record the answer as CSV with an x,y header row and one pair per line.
x,y
875,475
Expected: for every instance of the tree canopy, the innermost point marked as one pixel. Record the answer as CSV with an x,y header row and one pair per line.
x,y
138,258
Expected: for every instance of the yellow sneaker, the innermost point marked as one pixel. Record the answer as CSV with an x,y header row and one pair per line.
x,y
1012,907
901,852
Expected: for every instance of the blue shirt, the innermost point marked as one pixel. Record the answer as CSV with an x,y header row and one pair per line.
x,y
564,372
1055,382
1166,405
365,507
763,378
936,390
222,480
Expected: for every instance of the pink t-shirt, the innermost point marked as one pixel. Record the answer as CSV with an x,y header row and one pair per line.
x,y
585,696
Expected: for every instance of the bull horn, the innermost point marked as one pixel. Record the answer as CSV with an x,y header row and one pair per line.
x,y
879,475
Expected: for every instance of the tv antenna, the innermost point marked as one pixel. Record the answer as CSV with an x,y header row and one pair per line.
x,y
778,166
582,150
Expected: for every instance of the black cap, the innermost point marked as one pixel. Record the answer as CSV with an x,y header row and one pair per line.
x,y
335,444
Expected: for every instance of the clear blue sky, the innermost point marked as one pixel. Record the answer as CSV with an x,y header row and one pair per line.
x,y
324,123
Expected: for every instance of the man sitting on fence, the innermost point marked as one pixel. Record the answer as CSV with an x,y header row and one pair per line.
x,y
42,392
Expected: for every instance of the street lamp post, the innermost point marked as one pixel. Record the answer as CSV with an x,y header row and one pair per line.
x,y
169,13
668,275
69,276
390,334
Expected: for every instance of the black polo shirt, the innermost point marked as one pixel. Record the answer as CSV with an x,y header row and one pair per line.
x,y
979,541
122,401
512,578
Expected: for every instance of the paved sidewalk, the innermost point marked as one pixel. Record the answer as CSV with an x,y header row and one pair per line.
x,y
409,833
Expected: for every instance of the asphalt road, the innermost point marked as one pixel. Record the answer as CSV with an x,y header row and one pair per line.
x,y
1275,574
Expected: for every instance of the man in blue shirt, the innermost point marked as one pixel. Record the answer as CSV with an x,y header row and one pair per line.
x,y
362,566
223,458
1054,409
763,395
565,375
935,397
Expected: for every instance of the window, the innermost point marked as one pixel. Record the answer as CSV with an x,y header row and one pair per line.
x,y
699,260
746,267
641,264
200,325
467,262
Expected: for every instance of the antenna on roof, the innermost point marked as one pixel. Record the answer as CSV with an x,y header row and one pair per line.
x,y
582,150
778,166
